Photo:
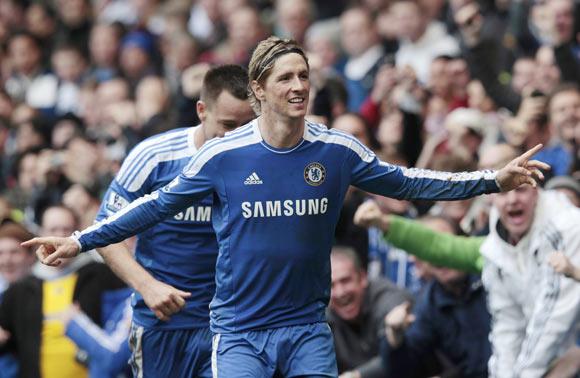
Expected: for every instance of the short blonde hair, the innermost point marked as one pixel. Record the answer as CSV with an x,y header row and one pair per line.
x,y
263,59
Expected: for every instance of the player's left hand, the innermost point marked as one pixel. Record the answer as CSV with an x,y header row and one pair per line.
x,y
521,171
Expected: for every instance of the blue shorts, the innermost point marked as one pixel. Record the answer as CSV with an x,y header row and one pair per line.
x,y
304,350
170,353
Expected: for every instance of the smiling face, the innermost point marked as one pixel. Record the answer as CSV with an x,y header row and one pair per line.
x,y
15,261
348,287
285,90
516,210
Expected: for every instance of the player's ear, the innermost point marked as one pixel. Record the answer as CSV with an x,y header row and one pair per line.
x,y
258,90
201,109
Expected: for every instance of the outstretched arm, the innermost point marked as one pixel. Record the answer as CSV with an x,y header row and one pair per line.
x,y
194,183
372,175
441,249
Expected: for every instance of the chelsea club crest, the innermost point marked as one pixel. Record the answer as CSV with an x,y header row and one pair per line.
x,y
314,174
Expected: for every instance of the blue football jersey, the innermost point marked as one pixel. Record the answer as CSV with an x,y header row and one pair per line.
x,y
180,251
274,213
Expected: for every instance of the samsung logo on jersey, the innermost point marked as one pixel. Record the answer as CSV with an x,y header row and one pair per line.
x,y
287,208
195,214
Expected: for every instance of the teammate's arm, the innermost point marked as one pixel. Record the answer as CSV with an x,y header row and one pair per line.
x,y
164,300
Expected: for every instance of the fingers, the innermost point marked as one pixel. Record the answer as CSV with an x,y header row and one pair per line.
x,y
177,302
183,294
538,164
171,304
521,171
531,152
160,315
530,181
53,259
34,242
537,175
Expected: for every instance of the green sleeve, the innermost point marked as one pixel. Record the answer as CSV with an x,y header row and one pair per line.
x,y
457,252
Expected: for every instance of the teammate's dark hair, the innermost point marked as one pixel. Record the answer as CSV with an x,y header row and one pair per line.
x,y
230,78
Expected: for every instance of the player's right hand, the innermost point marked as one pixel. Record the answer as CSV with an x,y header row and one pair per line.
x,y
52,249
164,300
369,214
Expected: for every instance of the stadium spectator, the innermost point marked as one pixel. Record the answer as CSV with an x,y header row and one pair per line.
x,y
450,317
293,19
137,56
420,38
30,307
244,31
15,264
365,54
25,64
567,185
356,313
57,93
104,45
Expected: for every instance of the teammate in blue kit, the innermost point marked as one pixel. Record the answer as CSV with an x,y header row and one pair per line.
x,y
180,251
278,185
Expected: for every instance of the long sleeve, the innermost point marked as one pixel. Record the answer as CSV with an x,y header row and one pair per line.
x,y
194,183
372,175
109,351
455,252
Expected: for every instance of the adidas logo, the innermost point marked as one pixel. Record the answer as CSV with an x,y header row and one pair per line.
x,y
253,179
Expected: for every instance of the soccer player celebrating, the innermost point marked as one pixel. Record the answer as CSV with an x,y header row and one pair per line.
x,y
170,335
278,185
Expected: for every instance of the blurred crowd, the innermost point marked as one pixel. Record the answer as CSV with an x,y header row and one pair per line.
x,y
445,85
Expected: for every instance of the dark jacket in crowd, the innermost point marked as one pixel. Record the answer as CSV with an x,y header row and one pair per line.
x,y
456,326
